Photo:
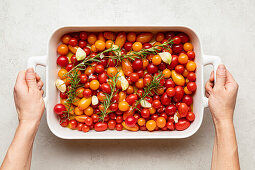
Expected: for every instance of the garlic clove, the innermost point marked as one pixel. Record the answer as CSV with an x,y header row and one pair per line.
x,y
145,104
166,57
61,86
94,100
80,54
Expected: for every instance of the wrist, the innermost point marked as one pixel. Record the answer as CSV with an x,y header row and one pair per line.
x,y
223,124
29,124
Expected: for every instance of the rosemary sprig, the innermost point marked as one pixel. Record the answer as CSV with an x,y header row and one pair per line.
x,y
108,97
153,86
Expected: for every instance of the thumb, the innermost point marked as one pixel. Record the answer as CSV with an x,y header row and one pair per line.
x,y
221,75
31,78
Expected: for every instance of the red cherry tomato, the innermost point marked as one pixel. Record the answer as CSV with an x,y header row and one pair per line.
x,y
83,35
184,37
106,88
170,91
62,61
156,104
165,100
87,51
111,124
84,78
73,42
102,78
119,127
191,76
128,46
95,118
134,77
190,116
63,95
59,109
147,45
174,62
170,125
100,126
130,121
183,109
179,69
177,48
80,126
147,81
192,86
177,40
182,124
69,67
88,121
132,98
99,68
169,83
82,43
73,124
119,119
170,109
191,55
145,113
187,99
151,68
137,64
87,93
85,128
64,122
179,92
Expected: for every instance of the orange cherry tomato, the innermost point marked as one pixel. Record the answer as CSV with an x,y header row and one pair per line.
x,y
160,37
131,37
67,81
76,101
120,39
160,90
188,47
84,103
191,66
156,59
137,46
144,37
109,44
139,84
62,73
111,71
100,45
92,38
186,90
141,121
94,84
161,122
178,79
130,90
151,125
79,92
89,111
152,110
101,96
185,73
77,111
81,118
72,49
123,106
127,67
157,43
145,63
167,73
183,59
89,70
62,49
101,37
66,38
93,48
122,96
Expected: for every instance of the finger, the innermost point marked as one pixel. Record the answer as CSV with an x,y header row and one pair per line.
x,y
207,94
221,76
21,81
42,92
211,77
230,82
208,87
40,84
31,79
38,78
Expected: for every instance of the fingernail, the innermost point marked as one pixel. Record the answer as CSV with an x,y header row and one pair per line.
x,y
222,67
30,70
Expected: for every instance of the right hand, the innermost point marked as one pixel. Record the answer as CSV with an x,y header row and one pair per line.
x,y
222,95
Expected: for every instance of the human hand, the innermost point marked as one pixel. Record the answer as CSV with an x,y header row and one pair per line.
x,y
222,95
28,96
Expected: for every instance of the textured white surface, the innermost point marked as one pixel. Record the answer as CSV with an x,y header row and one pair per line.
x,y
226,28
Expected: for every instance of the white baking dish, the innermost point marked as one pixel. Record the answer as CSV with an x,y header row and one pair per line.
x,y
52,97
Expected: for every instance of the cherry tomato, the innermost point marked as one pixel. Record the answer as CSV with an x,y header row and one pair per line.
x,y
100,126
106,88
177,48
139,84
137,64
130,121
111,124
99,68
119,127
191,66
170,92
128,46
174,62
183,59
92,38
167,73
73,124
59,109
62,61
69,67
192,86
188,46
177,40
87,93
183,109
63,95
169,83
156,60
160,37
80,126
64,122
132,98
170,125
151,68
187,99
66,38
145,113
134,77
113,107
111,71
82,43
95,118
179,92
190,116
94,85
165,100
119,119
62,49
156,104
83,35
147,45
151,125
179,69
191,76
191,55
123,106
169,35
84,78
100,45
73,42
170,110
184,37
161,122
182,124
85,128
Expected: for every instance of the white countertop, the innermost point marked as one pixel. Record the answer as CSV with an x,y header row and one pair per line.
x,y
226,29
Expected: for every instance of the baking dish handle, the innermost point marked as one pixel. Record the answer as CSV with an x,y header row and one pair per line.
x,y
38,60
215,61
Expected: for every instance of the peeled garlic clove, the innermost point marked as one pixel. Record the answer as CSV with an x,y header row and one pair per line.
x,y
145,104
166,57
115,47
60,84
176,118
80,54
124,83
101,56
94,100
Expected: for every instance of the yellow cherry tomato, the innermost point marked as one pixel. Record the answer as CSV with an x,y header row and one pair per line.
x,y
123,106
161,122
137,46
62,73
191,66
178,79
156,59
151,125
92,38
109,44
100,45
89,111
94,84
131,37
84,103
167,73
141,121
188,47
77,111
111,71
